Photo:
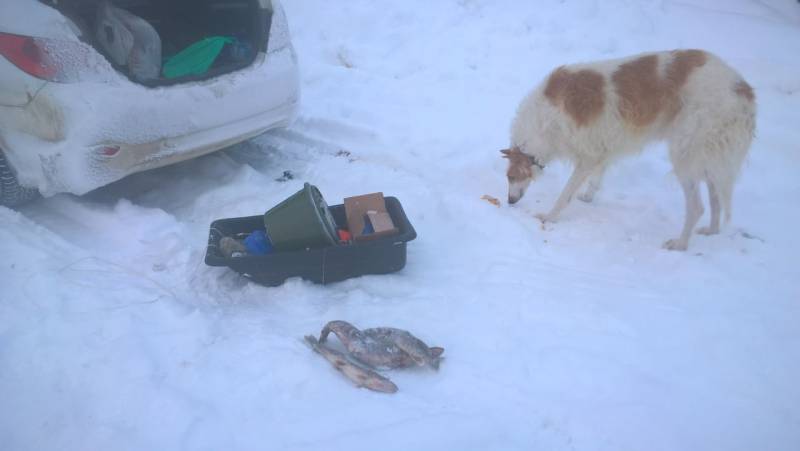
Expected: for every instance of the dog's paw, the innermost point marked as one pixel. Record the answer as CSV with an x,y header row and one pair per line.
x,y
544,217
587,197
675,245
708,230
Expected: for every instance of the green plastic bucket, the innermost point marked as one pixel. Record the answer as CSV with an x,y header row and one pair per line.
x,y
302,221
195,59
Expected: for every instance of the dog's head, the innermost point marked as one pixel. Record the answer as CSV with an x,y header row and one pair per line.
x,y
522,169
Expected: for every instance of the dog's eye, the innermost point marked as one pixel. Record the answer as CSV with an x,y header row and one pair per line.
x,y
519,173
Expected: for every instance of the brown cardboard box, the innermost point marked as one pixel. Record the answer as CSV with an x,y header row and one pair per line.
x,y
371,206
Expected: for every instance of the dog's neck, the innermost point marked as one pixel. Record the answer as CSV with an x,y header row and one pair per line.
x,y
535,161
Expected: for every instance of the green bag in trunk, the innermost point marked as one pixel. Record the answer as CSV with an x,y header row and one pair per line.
x,y
195,59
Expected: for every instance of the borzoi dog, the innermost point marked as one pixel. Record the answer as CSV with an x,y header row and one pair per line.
x,y
590,114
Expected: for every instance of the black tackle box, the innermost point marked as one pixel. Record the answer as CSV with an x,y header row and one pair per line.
x,y
324,265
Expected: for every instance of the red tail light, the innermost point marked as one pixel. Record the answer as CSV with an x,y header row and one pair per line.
x,y
49,59
109,151
27,54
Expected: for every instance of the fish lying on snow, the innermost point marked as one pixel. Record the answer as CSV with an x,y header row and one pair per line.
x,y
383,347
362,377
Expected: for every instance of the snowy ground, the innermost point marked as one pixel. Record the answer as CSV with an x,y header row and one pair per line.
x,y
584,335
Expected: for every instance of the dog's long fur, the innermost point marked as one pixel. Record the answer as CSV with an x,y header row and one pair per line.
x,y
592,113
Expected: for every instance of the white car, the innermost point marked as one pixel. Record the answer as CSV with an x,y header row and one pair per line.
x,y
72,120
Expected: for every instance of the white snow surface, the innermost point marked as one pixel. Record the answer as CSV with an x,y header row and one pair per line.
x,y
582,335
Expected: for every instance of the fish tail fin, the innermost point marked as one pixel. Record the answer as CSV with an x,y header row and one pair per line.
x,y
436,356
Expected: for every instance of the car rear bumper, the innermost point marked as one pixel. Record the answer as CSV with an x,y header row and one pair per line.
x,y
77,137
132,158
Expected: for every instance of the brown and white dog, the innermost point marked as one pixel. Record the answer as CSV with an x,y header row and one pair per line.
x,y
590,114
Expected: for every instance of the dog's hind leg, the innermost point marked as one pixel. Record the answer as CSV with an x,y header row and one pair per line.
x,y
575,181
694,210
713,201
593,184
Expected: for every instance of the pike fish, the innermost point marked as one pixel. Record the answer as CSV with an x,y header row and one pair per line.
x,y
383,347
362,377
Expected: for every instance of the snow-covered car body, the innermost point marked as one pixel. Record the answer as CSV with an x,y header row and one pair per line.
x,y
72,122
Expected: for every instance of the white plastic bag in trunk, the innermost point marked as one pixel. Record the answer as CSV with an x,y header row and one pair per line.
x,y
129,41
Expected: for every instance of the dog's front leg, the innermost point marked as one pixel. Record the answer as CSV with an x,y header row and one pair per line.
x,y
595,180
575,181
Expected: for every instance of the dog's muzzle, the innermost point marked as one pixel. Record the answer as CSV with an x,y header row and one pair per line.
x,y
516,190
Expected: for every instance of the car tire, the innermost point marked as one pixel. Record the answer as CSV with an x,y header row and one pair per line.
x,y
13,194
